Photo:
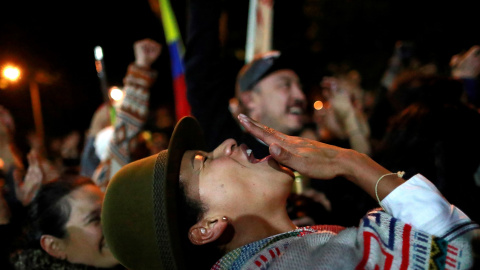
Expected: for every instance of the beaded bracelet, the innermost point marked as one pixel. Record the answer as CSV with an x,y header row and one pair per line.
x,y
399,174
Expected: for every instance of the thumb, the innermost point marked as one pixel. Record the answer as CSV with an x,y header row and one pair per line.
x,y
280,154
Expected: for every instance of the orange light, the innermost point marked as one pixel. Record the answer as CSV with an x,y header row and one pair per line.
x,y
318,105
116,93
11,73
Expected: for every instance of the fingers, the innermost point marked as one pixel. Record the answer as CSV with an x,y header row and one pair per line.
x,y
279,153
284,156
146,52
474,51
148,46
266,134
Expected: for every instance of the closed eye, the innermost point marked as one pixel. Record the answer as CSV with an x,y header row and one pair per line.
x,y
94,219
204,160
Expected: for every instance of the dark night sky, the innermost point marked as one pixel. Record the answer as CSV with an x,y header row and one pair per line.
x,y
58,37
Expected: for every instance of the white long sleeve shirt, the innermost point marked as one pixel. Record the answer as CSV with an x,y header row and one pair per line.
x,y
419,203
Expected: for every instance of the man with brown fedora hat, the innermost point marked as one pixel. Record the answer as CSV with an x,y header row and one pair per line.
x,y
184,208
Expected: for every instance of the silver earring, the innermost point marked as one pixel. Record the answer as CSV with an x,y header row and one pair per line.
x,y
224,218
203,231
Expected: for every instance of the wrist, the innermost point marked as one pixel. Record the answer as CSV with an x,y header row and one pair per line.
x,y
361,169
351,124
349,161
142,64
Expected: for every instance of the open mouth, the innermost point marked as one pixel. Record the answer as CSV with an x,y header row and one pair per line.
x,y
295,110
250,157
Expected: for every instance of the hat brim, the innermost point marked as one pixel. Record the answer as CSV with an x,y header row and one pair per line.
x,y
140,215
187,135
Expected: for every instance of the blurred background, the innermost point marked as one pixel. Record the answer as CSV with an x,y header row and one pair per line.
x,y
55,41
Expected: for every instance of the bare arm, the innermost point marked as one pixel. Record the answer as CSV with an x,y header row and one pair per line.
x,y
417,201
322,161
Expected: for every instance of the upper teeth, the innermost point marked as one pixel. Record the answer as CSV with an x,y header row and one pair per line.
x,y
249,152
296,110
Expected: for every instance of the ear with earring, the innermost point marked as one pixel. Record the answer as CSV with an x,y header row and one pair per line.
x,y
208,230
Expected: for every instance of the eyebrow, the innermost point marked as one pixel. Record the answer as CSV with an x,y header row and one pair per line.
x,y
287,78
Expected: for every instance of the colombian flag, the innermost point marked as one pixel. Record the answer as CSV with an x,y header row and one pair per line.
x,y
177,50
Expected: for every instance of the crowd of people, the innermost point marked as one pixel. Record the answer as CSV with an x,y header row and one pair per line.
x,y
241,183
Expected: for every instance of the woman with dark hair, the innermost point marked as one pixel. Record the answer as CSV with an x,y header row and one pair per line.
x,y
65,230
186,208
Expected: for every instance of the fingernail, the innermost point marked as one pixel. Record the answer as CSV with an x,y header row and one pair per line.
x,y
242,117
275,149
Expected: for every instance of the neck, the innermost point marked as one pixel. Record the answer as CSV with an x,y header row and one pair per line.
x,y
248,229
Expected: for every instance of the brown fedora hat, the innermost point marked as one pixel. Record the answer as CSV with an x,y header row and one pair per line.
x,y
139,214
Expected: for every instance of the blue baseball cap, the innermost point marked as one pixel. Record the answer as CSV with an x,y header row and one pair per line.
x,y
260,67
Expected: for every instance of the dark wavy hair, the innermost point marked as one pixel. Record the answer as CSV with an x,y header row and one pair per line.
x,y
199,257
50,210
48,214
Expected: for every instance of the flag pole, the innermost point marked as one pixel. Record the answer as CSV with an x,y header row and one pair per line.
x,y
251,29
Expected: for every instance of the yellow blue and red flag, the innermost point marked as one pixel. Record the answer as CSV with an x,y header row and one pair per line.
x,y
176,50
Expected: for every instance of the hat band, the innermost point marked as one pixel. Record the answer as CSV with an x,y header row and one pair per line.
x,y
160,215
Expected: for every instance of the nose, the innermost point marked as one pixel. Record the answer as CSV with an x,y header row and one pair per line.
x,y
297,92
225,149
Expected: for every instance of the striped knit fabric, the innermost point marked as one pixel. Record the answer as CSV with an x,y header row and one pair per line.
x,y
131,118
380,242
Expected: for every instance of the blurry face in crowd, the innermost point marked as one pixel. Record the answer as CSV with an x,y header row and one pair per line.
x,y
230,182
84,242
279,102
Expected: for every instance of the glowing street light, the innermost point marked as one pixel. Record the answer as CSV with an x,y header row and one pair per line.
x,y
11,73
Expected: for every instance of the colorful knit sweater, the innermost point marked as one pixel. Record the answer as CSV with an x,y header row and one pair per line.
x,y
380,242
131,117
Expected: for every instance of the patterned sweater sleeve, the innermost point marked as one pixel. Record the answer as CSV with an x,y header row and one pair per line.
x,y
130,119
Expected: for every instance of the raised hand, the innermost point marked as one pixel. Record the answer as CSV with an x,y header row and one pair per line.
x,y
466,65
26,188
7,124
100,120
70,145
146,52
338,97
341,117
310,158
321,161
